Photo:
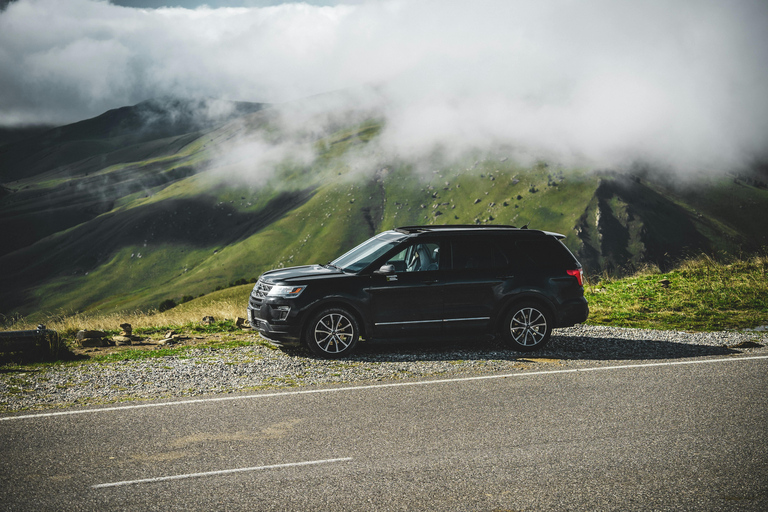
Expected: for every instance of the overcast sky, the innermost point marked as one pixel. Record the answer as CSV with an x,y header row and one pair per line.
x,y
683,80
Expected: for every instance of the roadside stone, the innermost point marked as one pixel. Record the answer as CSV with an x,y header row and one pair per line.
x,y
208,320
82,334
90,338
91,342
127,330
122,340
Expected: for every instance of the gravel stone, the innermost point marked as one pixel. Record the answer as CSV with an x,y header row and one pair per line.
x,y
258,367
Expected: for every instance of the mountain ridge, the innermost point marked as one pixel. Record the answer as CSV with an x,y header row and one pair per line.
x,y
145,122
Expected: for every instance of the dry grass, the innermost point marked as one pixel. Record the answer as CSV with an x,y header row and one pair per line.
x,y
224,305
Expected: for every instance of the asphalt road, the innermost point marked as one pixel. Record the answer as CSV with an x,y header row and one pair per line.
x,y
659,436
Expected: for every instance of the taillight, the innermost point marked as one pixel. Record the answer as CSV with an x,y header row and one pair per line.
x,y
578,274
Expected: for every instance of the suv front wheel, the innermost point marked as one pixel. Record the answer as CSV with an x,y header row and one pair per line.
x,y
332,333
527,327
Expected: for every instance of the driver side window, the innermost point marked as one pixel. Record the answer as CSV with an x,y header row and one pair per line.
x,y
419,257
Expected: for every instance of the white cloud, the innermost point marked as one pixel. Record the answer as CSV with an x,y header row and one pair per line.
x,y
679,82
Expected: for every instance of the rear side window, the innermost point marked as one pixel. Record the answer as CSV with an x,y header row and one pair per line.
x,y
478,253
542,253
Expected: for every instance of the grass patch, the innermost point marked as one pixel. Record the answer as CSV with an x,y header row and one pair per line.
x,y
701,294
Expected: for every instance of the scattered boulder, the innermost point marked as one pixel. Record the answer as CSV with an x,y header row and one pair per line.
x,y
126,336
240,323
90,338
171,338
122,340
82,334
208,320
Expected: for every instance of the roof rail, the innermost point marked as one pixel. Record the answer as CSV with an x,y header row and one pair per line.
x,y
416,229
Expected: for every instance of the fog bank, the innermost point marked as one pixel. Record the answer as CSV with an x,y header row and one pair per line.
x,y
680,84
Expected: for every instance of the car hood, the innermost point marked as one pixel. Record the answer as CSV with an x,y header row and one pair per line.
x,y
295,274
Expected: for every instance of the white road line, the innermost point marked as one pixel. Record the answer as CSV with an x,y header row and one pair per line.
x,y
215,473
377,386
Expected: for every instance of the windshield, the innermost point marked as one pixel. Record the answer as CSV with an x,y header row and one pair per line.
x,y
367,252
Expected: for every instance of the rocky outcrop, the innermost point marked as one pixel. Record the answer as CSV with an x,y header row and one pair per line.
x,y
627,224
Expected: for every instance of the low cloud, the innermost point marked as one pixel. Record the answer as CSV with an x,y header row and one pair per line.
x,y
601,82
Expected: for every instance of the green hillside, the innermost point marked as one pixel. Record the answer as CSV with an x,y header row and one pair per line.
x,y
175,216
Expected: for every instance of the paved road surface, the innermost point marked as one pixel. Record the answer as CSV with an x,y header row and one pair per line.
x,y
690,436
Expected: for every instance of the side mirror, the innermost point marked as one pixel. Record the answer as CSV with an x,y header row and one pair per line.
x,y
386,270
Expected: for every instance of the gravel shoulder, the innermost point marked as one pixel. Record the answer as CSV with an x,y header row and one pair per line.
x,y
257,367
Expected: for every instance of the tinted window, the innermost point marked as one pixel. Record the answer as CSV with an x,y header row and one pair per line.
x,y
543,253
482,253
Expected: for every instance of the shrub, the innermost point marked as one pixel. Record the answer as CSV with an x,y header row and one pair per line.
x,y
166,305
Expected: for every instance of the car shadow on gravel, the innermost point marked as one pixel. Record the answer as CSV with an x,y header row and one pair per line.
x,y
565,347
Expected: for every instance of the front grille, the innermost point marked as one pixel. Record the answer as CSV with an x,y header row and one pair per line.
x,y
259,292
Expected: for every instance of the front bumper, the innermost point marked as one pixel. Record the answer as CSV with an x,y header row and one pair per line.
x,y
281,333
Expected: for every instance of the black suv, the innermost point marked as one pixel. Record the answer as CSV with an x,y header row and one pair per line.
x,y
420,281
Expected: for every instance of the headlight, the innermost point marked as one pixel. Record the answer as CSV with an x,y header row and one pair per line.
x,y
286,291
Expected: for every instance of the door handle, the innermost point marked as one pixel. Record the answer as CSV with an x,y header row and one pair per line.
x,y
430,281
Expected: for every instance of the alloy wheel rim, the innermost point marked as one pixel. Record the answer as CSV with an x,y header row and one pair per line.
x,y
334,333
528,327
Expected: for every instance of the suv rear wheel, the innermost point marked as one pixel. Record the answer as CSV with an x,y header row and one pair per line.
x,y
333,333
527,327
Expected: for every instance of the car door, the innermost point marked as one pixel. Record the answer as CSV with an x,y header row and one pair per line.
x,y
472,287
408,301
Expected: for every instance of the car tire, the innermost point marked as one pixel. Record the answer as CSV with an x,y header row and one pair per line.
x,y
332,333
527,326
